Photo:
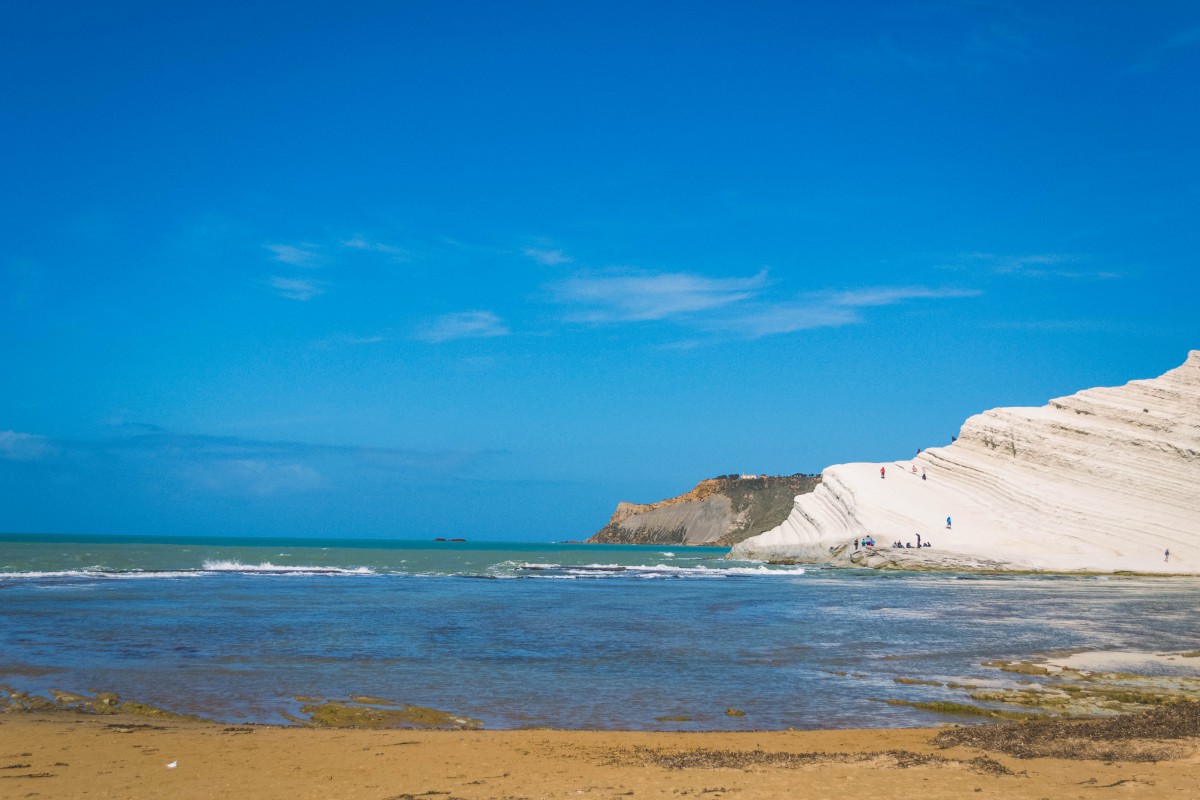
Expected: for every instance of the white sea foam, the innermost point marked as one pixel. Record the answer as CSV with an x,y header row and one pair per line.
x,y
654,571
98,572
267,568
1140,662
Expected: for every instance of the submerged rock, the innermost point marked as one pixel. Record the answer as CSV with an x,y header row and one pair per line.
x,y
1055,690
13,701
355,715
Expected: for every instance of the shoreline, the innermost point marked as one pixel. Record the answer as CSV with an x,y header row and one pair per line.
x,y
949,565
78,755
1072,684
903,559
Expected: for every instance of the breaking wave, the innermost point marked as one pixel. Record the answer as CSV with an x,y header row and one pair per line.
x,y
534,570
100,572
267,568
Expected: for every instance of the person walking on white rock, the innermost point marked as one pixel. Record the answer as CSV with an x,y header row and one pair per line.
x,y
947,523
882,472
1166,555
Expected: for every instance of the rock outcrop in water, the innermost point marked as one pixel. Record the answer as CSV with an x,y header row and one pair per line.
x,y
720,511
1105,480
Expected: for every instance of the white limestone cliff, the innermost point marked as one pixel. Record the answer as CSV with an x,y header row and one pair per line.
x,y
1105,480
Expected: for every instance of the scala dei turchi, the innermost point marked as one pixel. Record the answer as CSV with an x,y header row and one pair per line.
x,y
1106,480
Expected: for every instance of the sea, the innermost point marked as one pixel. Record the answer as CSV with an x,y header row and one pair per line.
x,y
526,634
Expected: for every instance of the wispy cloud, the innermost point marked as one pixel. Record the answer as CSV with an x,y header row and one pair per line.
x,y
742,307
1013,39
827,309
305,254
348,340
297,288
771,319
1188,37
247,476
233,465
463,325
17,446
1063,326
449,242
237,448
1037,265
363,244
550,258
628,295
888,295
949,38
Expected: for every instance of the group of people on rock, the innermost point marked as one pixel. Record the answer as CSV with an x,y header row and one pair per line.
x,y
883,472
869,541
899,545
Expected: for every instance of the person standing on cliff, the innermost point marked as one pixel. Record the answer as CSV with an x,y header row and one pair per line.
x,y
947,523
882,472
1166,555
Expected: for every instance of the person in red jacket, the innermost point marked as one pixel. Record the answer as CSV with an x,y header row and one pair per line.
x,y
882,470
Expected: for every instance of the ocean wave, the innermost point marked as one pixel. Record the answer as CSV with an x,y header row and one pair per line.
x,y
100,572
267,568
504,569
651,571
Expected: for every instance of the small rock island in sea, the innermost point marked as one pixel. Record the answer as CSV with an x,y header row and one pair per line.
x,y
1105,480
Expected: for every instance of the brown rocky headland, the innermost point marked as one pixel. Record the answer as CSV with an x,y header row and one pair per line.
x,y
721,511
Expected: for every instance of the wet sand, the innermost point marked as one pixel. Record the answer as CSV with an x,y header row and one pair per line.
x,y
92,756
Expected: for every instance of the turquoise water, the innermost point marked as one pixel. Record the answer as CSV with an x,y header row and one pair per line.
x,y
521,634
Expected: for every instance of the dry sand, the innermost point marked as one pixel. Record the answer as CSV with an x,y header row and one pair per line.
x,y
76,756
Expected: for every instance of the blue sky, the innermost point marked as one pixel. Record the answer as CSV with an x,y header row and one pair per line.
x,y
421,269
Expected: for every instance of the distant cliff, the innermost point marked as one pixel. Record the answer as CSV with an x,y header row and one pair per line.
x,y
719,511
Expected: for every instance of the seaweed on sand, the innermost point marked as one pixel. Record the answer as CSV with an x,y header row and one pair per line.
x,y
1147,736
747,759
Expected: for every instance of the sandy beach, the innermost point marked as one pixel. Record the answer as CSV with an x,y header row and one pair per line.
x,y
77,756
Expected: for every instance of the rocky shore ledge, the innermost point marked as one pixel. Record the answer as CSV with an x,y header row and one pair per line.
x,y
357,711
912,559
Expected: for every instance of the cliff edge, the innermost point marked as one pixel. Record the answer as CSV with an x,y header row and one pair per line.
x,y
1105,480
719,511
